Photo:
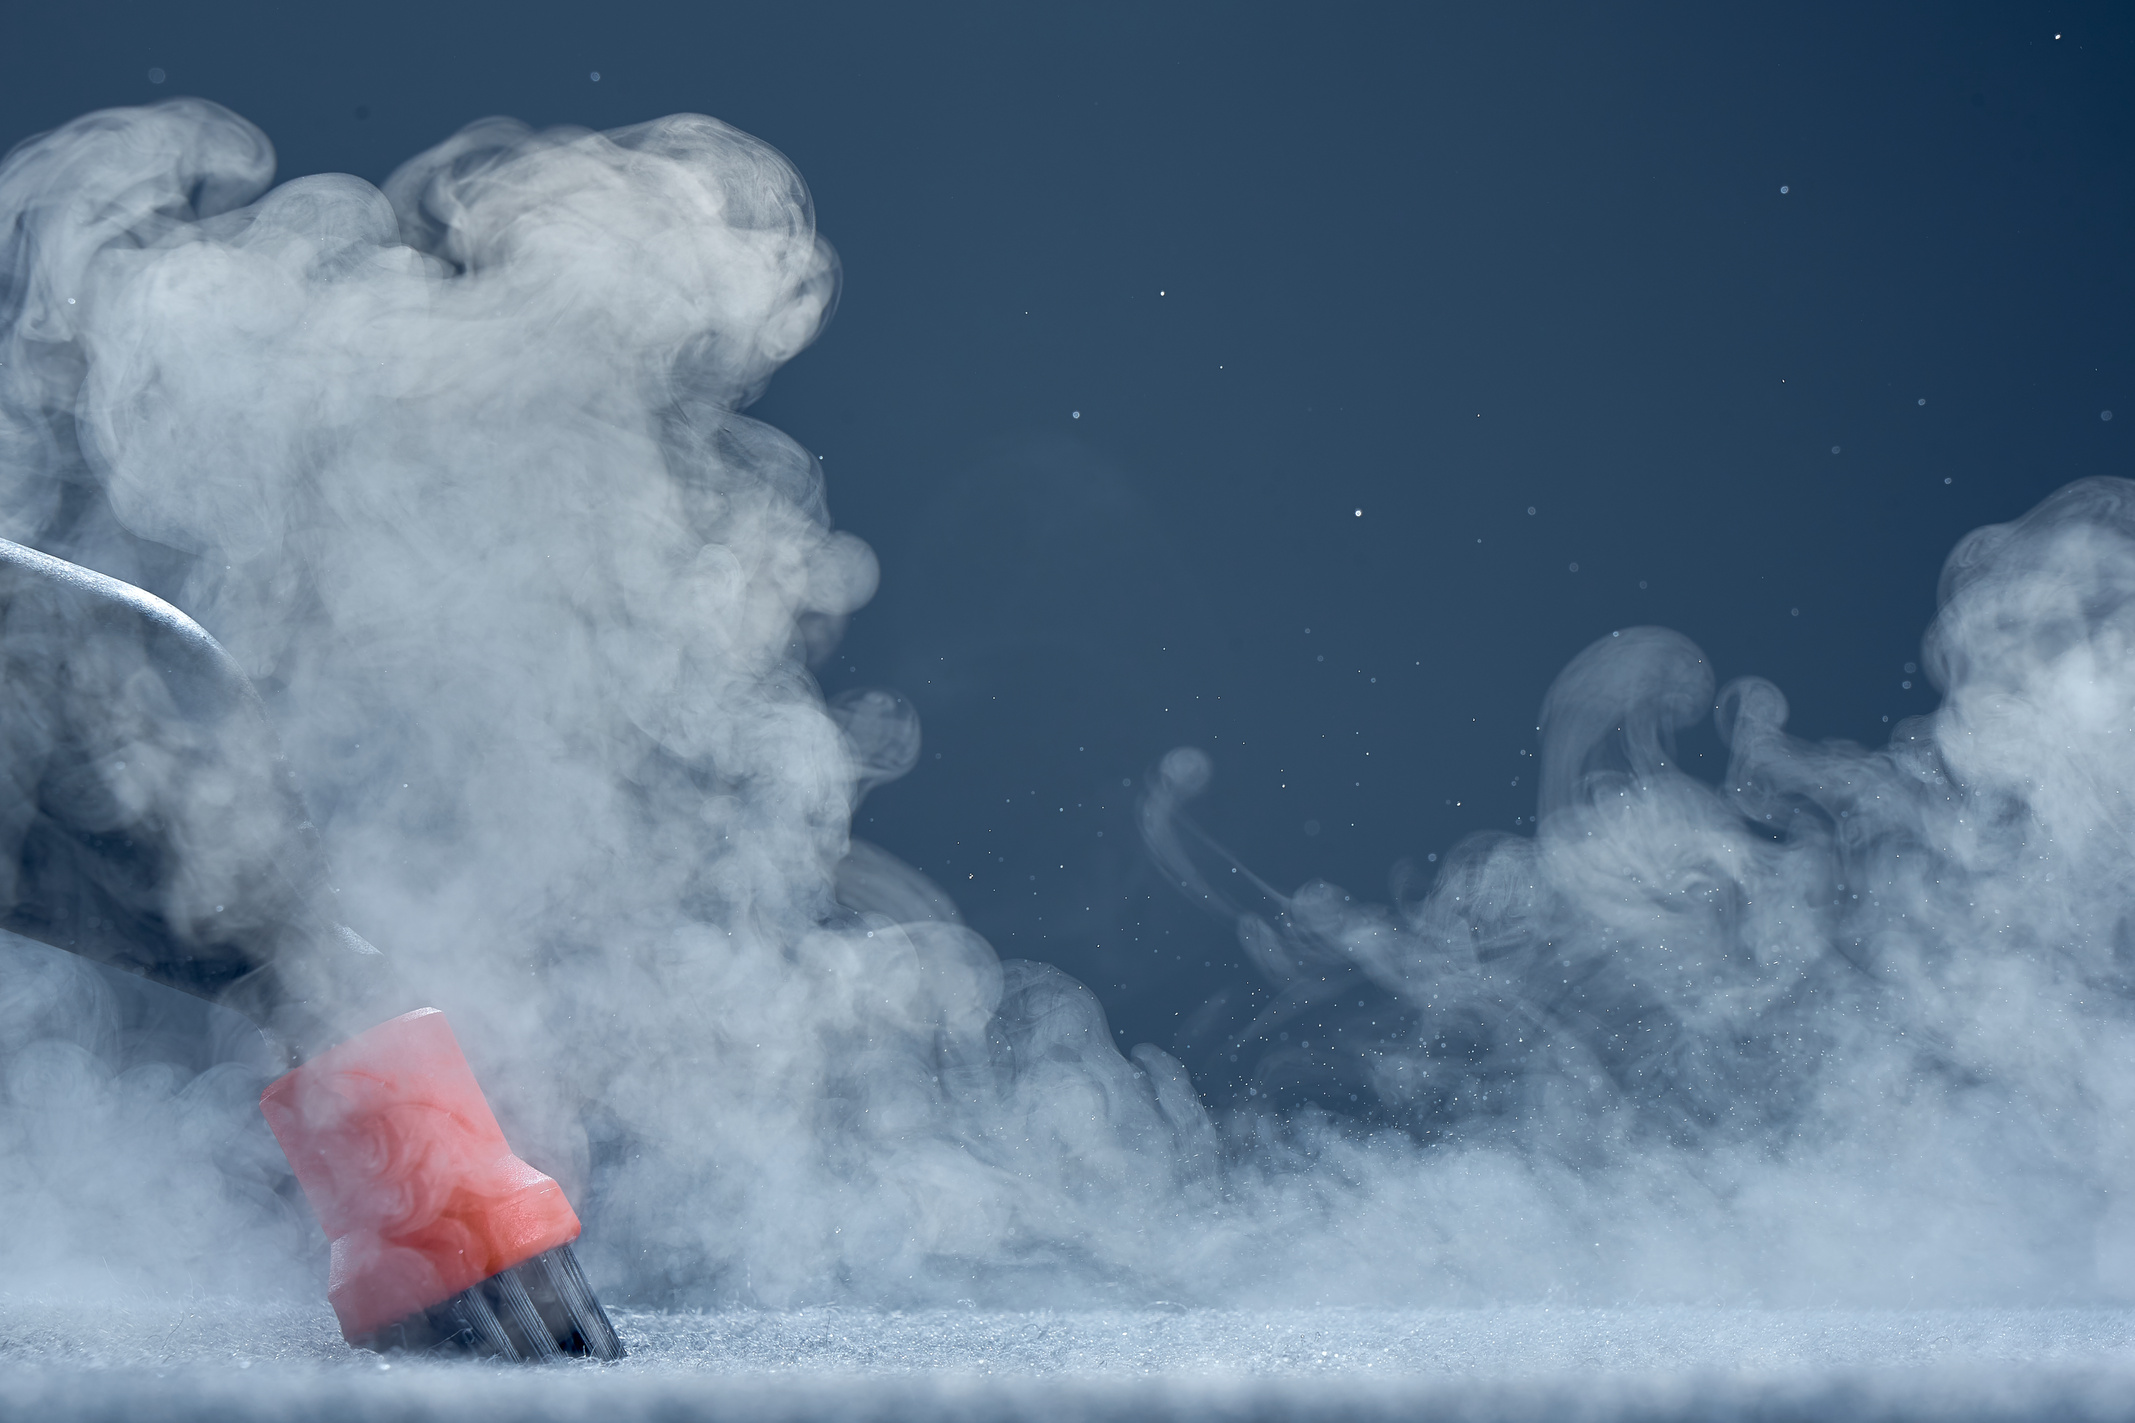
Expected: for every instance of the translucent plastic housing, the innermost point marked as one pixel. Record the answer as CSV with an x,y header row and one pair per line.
x,y
409,1173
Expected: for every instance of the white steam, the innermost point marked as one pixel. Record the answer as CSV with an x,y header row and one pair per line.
x,y
455,472
1853,1023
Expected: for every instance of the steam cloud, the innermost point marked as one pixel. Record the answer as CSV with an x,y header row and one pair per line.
x,y
456,472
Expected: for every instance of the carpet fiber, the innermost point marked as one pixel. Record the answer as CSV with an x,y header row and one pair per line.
x,y
215,1359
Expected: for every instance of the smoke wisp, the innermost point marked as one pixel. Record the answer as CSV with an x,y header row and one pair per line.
x,y
1857,1019
457,473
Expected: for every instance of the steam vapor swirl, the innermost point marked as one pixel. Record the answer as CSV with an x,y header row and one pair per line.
x,y
456,470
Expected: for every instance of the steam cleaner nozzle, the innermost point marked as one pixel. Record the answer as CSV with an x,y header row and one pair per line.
x,y
443,1240
151,823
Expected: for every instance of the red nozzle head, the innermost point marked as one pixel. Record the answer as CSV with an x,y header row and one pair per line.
x,y
405,1165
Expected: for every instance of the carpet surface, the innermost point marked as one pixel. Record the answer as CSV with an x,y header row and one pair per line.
x,y
215,1359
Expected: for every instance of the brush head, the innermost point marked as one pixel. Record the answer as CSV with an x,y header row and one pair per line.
x,y
410,1175
543,1309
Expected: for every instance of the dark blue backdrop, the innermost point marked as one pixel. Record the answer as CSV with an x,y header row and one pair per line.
x,y
1724,319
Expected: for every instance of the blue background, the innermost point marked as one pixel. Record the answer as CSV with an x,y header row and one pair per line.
x,y
1440,264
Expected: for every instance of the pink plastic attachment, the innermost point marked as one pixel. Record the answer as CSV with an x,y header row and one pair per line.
x,y
405,1165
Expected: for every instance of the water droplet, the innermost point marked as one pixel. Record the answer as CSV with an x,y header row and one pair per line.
x,y
157,76
1782,187
594,76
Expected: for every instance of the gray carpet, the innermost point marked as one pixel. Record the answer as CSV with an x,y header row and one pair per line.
x,y
214,1359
